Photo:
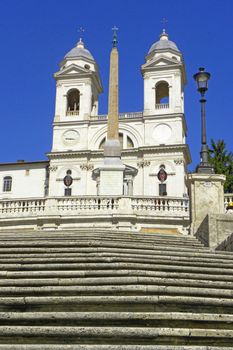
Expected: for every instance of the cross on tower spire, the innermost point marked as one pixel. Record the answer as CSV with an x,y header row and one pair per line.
x,y
164,22
81,30
114,41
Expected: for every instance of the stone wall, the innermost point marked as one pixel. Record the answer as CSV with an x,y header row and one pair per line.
x,y
226,245
215,229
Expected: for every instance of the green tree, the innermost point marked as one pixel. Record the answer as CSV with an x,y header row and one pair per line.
x,y
222,161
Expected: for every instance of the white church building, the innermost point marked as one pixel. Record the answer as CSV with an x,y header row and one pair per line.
x,y
153,142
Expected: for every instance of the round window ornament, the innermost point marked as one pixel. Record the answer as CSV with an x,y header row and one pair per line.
x,y
162,175
68,180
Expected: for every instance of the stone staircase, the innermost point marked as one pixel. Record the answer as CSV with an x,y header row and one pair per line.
x,y
103,290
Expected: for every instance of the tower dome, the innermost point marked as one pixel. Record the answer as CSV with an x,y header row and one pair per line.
x,y
79,51
163,44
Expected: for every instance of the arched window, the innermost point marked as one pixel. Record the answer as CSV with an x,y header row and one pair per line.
x,y
125,141
73,102
7,184
129,143
162,95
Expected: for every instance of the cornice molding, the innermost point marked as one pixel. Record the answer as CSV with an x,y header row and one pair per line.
x,y
137,152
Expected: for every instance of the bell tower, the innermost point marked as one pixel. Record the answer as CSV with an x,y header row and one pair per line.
x,y
164,78
78,85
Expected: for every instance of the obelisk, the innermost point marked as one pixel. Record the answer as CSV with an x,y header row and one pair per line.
x,y
112,170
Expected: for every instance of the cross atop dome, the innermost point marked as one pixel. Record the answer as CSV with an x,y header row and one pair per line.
x,y
164,22
81,30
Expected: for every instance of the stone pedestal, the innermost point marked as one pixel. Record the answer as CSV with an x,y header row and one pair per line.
x,y
111,178
206,197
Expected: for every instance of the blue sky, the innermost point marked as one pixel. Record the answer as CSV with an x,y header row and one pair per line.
x,y
36,34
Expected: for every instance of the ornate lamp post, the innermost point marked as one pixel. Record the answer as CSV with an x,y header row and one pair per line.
x,y
202,78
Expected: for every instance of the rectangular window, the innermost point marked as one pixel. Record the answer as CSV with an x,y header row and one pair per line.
x,y
7,183
67,191
162,189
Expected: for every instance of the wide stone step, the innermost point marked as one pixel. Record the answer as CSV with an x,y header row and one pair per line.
x,y
71,255
75,263
86,245
93,233
131,303
91,252
115,335
124,290
136,319
108,347
44,269
116,280
72,275
117,238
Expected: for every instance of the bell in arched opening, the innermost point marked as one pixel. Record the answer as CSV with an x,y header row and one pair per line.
x,y
73,102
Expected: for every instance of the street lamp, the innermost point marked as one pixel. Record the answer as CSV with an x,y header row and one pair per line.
x,y
202,78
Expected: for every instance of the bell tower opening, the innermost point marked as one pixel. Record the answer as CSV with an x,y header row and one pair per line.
x,y
162,95
73,102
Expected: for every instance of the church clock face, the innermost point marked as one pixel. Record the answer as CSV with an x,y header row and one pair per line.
x,y
70,137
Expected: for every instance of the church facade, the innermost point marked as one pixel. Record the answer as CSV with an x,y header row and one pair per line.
x,y
153,141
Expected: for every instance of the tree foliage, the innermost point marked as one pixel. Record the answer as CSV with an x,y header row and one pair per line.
x,y
222,161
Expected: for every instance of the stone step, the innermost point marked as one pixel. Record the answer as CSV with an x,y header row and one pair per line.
x,y
117,237
173,255
94,232
38,246
39,270
137,319
117,280
120,303
115,335
108,347
63,274
111,253
115,289
77,262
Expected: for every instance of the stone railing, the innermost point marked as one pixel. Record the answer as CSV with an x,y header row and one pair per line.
x,y
162,106
90,204
228,197
87,203
161,204
121,116
22,206
68,113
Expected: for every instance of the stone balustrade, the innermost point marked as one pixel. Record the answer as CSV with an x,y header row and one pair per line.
x,y
71,113
22,206
165,205
161,204
121,116
87,203
162,106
